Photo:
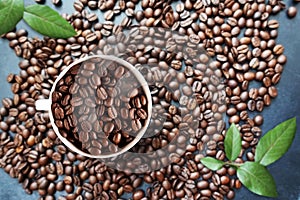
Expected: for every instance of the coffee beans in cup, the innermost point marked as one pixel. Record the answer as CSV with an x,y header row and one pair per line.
x,y
99,106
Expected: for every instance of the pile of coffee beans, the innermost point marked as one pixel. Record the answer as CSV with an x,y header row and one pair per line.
x,y
187,91
238,36
99,106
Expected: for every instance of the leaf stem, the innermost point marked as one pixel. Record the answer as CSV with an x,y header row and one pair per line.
x,y
233,164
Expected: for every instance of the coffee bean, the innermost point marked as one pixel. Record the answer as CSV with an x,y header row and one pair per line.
x,y
101,93
136,124
272,91
292,12
56,2
119,72
134,92
86,126
7,103
59,113
108,127
278,49
76,101
112,112
137,102
142,113
138,194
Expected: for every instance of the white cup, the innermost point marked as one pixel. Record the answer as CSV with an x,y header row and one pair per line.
x,y
45,105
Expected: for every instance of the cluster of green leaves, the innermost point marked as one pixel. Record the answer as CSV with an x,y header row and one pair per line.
x,y
254,175
39,17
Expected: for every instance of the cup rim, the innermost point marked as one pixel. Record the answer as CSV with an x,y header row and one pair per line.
x,y
140,79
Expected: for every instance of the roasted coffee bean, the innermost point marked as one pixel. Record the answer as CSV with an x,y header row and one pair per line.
x,y
278,49
7,103
56,2
101,93
142,113
272,91
108,127
138,194
136,124
292,11
112,112
259,105
76,101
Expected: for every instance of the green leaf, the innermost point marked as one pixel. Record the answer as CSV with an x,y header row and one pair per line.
x,y
11,12
233,143
257,179
212,163
47,22
276,142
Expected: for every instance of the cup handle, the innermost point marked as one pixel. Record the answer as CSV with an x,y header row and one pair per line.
x,y
43,104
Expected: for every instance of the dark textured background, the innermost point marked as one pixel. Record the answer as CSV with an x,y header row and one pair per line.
x,y
285,171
